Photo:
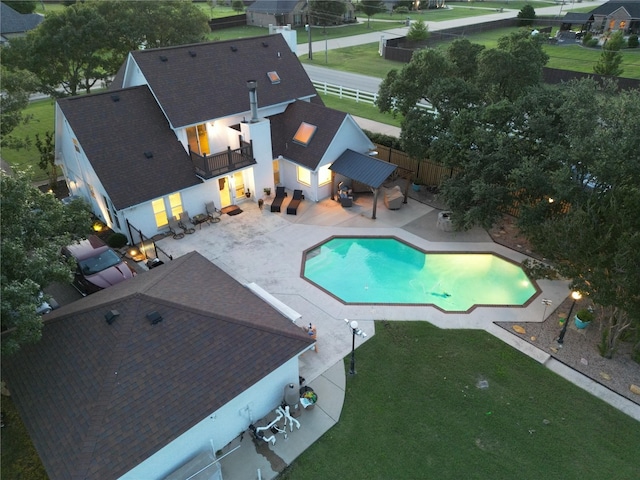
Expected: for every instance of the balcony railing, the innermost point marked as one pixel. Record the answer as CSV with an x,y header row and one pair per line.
x,y
216,164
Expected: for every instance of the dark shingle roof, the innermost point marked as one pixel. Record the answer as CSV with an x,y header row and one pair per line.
x,y
98,399
577,18
362,168
274,7
200,82
285,126
15,22
631,6
115,136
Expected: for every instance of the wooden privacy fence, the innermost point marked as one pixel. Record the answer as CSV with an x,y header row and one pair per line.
x,y
425,172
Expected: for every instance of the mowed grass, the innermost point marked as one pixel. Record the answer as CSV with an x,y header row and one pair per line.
x,y
360,109
414,411
42,113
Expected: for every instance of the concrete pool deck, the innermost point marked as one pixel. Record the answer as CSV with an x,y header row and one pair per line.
x,y
266,248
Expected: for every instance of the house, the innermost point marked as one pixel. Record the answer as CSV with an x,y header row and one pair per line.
x,y
290,12
617,15
14,24
186,125
138,379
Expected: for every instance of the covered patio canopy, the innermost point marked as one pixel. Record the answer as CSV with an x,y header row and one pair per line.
x,y
363,169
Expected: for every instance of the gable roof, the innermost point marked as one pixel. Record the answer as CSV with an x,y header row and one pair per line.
x,y
576,17
99,399
631,6
211,78
13,22
273,7
115,129
363,168
285,125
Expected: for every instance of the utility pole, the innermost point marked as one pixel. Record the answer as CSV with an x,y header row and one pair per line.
x,y
309,28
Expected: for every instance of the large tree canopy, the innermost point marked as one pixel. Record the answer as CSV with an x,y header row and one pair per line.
x,y
16,86
327,12
85,44
35,226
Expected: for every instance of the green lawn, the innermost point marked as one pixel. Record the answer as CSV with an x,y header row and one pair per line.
x,y
42,113
359,109
414,411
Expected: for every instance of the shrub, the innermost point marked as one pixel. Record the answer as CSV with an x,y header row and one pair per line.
x,y
418,31
587,38
117,240
593,43
382,139
527,15
632,42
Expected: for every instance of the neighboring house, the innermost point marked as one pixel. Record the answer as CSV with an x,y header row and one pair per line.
x,y
186,125
288,12
121,395
617,15
14,24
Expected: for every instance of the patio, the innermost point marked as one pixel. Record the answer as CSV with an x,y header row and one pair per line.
x,y
266,248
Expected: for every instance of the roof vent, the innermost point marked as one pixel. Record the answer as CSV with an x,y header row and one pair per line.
x,y
192,53
233,49
163,58
115,98
265,44
111,316
154,317
148,154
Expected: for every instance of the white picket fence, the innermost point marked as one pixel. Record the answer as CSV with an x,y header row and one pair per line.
x,y
353,94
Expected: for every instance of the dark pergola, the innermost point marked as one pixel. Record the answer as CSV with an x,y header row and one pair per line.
x,y
364,169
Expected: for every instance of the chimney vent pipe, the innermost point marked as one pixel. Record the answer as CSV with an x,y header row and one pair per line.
x,y
253,100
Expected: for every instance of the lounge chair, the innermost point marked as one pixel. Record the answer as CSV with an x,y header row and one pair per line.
x,y
212,212
186,223
277,201
292,208
175,228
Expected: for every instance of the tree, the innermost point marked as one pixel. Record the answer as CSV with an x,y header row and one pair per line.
x,y
86,43
527,15
47,162
370,8
418,32
328,12
35,226
611,58
237,6
17,86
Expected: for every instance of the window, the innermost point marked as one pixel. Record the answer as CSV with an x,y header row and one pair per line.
x,y
197,139
160,209
273,77
324,175
304,176
304,134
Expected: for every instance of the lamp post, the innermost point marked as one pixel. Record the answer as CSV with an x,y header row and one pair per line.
x,y
353,325
576,296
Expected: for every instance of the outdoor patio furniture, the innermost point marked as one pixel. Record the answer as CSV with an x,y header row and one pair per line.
x,y
186,223
292,208
444,221
212,212
175,228
277,201
345,200
393,198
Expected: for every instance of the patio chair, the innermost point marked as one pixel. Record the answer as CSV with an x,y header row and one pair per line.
x,y
212,212
186,223
277,201
292,208
175,228
346,200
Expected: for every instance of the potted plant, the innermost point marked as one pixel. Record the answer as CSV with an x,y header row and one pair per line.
x,y
415,186
247,193
267,191
583,318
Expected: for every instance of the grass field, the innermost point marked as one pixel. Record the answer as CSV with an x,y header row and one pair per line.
x,y
414,411
360,109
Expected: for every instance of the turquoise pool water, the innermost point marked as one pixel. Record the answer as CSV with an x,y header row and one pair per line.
x,y
377,270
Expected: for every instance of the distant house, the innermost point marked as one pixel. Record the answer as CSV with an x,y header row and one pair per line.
x,y
289,12
137,380
14,24
185,125
617,15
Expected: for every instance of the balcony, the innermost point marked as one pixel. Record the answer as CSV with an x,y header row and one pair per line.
x,y
221,163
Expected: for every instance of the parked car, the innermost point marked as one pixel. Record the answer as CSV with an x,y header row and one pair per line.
x,y
99,266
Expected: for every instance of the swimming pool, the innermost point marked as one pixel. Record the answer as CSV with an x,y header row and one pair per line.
x,y
387,270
